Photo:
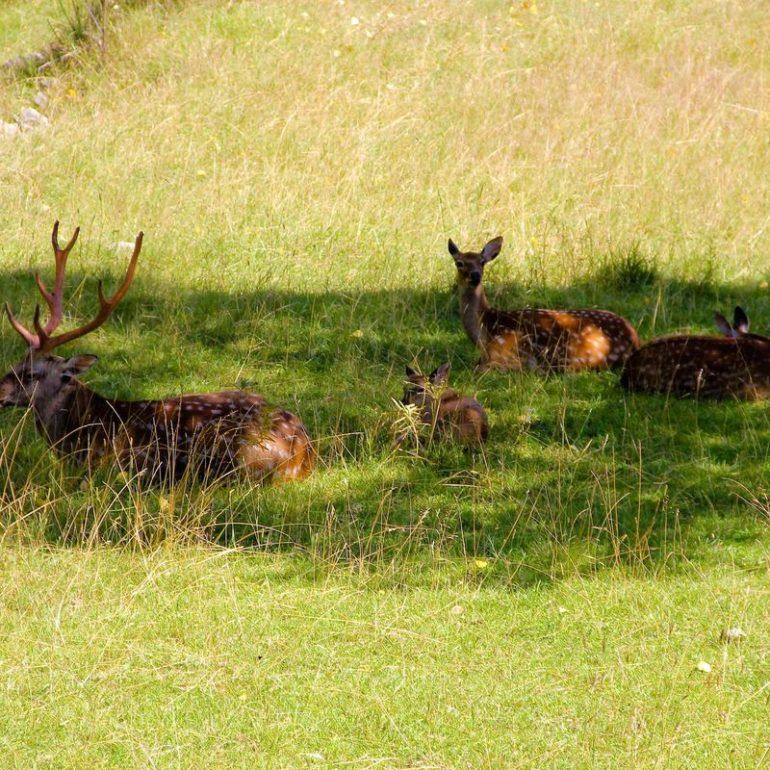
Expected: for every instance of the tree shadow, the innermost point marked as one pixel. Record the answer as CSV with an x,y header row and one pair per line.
x,y
577,474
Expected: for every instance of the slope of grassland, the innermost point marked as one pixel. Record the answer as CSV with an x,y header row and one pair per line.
x,y
297,169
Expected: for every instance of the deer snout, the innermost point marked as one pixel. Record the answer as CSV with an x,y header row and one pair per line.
x,y
7,392
475,277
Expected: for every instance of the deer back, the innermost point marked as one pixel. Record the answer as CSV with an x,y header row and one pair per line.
x,y
464,416
557,340
715,367
212,435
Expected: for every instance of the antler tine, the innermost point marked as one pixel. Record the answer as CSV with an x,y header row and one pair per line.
x,y
42,335
127,281
55,240
32,340
54,299
106,306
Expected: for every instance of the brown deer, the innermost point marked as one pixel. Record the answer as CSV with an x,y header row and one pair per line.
x,y
214,434
736,365
445,410
533,338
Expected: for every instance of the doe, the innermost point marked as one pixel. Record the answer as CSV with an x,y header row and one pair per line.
x,y
736,365
534,338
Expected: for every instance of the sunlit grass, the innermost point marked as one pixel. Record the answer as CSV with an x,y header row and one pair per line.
x,y
201,657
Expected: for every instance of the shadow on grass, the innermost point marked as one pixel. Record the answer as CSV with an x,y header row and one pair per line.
x,y
577,474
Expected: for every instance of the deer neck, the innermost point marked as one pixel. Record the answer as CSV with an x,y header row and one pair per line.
x,y
76,419
473,306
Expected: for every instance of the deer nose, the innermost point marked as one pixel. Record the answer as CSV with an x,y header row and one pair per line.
x,y
6,392
475,277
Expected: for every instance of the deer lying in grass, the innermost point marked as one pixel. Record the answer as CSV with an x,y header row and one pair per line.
x,y
736,365
542,340
445,410
215,434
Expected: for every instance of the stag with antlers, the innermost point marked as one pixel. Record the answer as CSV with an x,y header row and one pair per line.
x,y
536,338
736,365
214,435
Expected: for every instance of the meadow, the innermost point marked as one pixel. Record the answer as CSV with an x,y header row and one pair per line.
x,y
297,169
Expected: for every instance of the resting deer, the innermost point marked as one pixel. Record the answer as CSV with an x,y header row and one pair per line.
x,y
543,340
215,434
736,365
445,410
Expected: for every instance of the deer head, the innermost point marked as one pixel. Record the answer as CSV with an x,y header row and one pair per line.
x,y
419,388
40,378
470,265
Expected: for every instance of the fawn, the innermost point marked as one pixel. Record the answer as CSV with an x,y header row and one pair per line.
x,y
736,365
444,409
215,434
543,340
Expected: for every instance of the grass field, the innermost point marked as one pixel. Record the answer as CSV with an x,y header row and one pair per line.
x,y
297,169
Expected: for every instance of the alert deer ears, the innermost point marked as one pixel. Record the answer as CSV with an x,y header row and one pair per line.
x,y
453,250
741,322
79,364
439,376
492,249
411,372
723,325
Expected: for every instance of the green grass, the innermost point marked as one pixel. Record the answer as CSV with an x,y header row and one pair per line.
x,y
297,175
216,659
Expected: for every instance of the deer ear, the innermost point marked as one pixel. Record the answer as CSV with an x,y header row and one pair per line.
x,y
741,322
492,249
79,364
453,250
723,325
410,372
439,376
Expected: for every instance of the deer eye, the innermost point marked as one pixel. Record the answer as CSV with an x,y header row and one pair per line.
x,y
459,263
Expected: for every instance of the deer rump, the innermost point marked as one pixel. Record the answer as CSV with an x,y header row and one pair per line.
x,y
557,340
211,436
711,367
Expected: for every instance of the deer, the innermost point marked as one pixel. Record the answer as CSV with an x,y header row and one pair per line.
x,y
212,435
734,365
534,338
445,410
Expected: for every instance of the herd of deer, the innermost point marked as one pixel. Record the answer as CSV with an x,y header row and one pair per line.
x,y
216,435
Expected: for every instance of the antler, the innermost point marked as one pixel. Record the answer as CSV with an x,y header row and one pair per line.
x,y
53,299
43,342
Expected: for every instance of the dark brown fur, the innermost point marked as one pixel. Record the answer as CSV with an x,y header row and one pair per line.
x,y
533,338
734,366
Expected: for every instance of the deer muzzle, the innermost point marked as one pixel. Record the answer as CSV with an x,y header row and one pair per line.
x,y
8,386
